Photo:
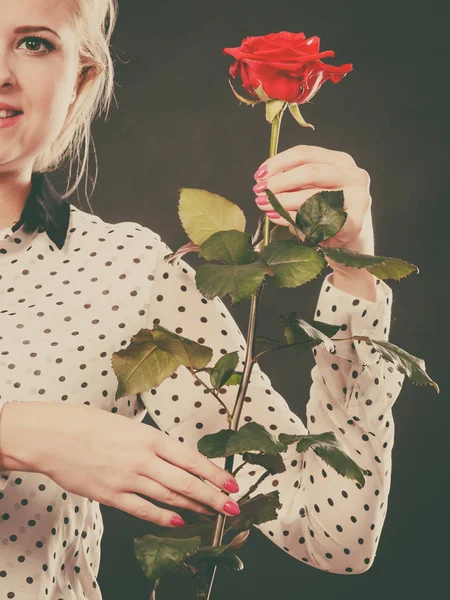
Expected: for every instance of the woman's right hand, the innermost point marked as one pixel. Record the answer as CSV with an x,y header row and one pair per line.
x,y
109,458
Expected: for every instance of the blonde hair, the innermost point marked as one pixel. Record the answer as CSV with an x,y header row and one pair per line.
x,y
94,22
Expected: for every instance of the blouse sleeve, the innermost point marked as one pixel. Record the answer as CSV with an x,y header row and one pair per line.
x,y
326,521
4,473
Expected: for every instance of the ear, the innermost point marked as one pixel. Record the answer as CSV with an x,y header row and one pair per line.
x,y
87,74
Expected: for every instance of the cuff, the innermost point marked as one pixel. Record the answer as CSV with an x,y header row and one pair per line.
x,y
356,316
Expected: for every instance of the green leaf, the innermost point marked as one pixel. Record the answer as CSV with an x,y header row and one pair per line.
x,y
394,268
341,462
277,206
152,356
280,232
223,369
406,363
292,264
254,511
271,462
307,440
186,351
277,233
213,554
230,561
202,566
217,555
328,448
214,445
326,328
160,556
298,331
253,436
250,436
240,281
203,213
202,528
203,580
231,247
382,267
142,365
235,378
321,216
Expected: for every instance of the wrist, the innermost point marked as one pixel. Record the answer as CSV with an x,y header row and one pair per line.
x,y
357,282
9,434
19,439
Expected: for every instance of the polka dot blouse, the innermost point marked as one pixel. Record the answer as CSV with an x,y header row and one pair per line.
x,y
74,289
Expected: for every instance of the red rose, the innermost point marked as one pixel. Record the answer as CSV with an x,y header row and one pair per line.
x,y
286,64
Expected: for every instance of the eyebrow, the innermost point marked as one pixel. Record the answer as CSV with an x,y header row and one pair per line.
x,y
34,28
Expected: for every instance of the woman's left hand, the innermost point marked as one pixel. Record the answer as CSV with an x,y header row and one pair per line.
x,y
301,171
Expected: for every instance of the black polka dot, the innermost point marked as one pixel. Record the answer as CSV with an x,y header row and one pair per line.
x,y
68,302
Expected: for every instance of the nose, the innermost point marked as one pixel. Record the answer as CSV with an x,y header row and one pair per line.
x,y
7,77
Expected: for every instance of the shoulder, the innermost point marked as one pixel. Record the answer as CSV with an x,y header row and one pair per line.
x,y
126,233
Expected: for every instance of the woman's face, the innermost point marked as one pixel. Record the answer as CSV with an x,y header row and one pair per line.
x,y
37,76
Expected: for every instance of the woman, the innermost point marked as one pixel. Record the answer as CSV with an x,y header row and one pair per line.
x,y
74,289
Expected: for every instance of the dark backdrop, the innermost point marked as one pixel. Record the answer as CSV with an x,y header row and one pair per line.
x,y
177,124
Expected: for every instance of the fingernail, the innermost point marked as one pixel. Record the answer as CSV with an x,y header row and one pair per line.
x,y
272,214
260,187
231,486
261,171
177,521
232,508
262,201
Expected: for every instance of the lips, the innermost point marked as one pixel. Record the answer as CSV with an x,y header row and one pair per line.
x,y
4,106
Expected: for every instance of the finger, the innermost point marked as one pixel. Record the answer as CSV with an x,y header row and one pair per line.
x,y
190,460
178,480
137,507
303,154
277,220
315,175
288,200
153,489
357,203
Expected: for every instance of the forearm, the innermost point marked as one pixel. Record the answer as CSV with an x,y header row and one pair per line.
x,y
19,438
357,282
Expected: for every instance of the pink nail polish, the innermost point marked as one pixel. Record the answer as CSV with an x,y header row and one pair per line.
x,y
262,201
232,508
260,187
177,521
272,214
261,172
231,486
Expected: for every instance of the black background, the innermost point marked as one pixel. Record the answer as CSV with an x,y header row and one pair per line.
x,y
177,124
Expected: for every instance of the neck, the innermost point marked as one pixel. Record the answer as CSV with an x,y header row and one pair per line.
x,y
15,187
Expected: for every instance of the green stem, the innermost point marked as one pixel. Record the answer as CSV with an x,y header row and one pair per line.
x,y
248,363
361,338
212,391
243,463
255,485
